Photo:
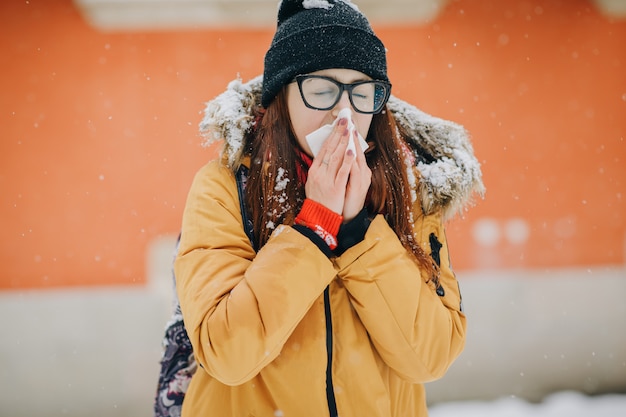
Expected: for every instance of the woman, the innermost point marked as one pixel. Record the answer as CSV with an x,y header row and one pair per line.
x,y
341,300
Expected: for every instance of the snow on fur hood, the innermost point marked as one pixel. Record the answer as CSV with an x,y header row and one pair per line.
x,y
448,180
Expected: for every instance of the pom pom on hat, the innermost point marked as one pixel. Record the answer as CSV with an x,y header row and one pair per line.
x,y
313,35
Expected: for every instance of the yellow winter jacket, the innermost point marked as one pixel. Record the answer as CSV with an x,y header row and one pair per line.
x,y
265,326
257,322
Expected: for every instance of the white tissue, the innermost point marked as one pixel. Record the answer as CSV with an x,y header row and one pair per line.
x,y
317,138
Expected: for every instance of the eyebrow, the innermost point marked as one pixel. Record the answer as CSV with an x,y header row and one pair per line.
x,y
357,80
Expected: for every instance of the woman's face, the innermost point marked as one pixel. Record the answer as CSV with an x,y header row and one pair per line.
x,y
305,120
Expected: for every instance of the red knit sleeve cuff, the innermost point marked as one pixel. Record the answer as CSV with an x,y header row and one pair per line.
x,y
324,222
314,213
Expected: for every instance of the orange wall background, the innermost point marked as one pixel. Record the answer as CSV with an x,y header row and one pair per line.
x,y
99,137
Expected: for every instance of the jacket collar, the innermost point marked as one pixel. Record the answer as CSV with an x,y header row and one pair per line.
x,y
449,172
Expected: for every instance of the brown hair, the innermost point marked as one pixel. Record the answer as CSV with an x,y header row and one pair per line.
x,y
275,190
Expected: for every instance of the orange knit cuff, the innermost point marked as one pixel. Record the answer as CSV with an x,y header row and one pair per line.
x,y
323,221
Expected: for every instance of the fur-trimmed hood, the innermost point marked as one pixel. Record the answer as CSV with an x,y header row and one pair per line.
x,y
449,176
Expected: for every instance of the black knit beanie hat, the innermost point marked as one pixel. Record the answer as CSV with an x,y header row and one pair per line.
x,y
313,35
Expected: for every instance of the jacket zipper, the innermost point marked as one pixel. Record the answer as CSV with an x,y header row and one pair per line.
x,y
330,392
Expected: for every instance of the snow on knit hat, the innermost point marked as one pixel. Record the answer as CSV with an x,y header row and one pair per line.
x,y
313,35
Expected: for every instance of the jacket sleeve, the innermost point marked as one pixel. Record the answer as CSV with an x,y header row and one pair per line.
x,y
417,332
240,308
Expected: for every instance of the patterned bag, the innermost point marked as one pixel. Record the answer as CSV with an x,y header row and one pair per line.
x,y
177,363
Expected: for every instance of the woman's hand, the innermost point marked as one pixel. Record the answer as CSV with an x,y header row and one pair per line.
x,y
339,179
358,183
328,175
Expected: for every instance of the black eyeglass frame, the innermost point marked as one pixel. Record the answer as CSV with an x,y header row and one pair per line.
x,y
343,87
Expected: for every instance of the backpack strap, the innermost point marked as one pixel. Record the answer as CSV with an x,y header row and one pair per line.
x,y
242,181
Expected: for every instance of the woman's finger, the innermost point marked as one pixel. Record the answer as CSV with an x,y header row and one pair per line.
x,y
358,184
331,148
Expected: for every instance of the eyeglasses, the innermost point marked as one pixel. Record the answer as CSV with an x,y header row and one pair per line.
x,y
323,93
